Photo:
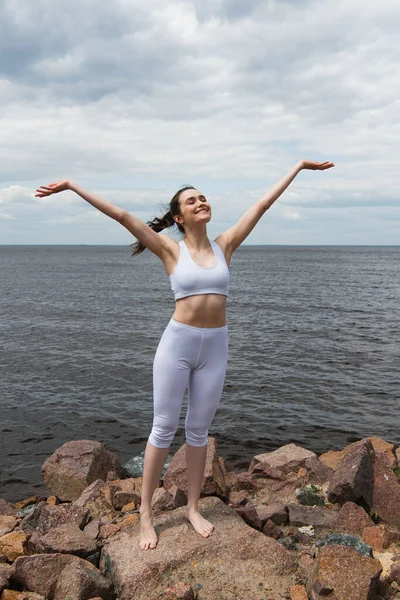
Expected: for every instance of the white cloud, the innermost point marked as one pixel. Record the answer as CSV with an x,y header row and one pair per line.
x,y
135,101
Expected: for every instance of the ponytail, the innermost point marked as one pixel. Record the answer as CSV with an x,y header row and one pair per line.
x,y
166,221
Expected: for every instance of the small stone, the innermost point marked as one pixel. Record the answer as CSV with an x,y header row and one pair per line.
x,y
7,523
128,507
7,508
345,540
12,545
380,537
298,592
272,530
308,497
53,500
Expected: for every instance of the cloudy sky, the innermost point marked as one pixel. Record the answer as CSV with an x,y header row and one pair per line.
x,y
132,99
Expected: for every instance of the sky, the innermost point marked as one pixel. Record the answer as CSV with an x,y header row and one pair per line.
x,y
133,99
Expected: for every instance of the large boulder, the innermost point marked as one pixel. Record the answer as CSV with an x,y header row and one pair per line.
x,y
386,491
353,480
342,573
46,516
77,464
333,458
214,480
235,557
352,519
279,463
66,539
61,577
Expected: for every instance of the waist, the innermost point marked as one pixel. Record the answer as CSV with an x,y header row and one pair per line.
x,y
204,310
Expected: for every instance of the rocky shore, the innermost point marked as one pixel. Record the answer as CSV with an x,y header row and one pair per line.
x,y
294,526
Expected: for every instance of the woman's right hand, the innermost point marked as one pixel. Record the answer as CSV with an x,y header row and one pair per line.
x,y
53,188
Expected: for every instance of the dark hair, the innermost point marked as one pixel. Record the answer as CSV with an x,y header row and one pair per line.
x,y
164,222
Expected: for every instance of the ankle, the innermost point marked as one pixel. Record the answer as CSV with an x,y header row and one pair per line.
x,y
145,511
192,508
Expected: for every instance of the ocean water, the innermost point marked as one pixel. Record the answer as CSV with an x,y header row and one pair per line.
x,y
314,352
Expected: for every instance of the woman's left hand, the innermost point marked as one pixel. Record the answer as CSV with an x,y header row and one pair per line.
x,y
316,166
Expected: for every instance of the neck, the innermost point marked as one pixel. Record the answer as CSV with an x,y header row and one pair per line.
x,y
197,238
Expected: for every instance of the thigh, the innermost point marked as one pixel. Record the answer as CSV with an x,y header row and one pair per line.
x,y
171,373
206,383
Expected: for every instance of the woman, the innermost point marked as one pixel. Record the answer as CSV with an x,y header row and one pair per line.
x,y
193,350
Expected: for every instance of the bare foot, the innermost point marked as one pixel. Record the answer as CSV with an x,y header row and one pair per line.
x,y
148,536
200,524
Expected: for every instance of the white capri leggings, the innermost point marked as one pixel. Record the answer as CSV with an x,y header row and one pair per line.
x,y
193,358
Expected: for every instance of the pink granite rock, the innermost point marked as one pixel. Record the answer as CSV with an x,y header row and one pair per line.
x,y
272,530
44,574
7,523
213,482
340,572
300,515
75,465
316,471
7,508
380,537
353,481
66,539
235,557
45,517
351,519
5,571
386,491
276,512
250,516
279,463
162,500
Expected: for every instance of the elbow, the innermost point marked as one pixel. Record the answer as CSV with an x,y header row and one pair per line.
x,y
121,216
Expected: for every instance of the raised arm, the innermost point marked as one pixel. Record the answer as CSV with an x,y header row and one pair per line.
x,y
231,239
159,244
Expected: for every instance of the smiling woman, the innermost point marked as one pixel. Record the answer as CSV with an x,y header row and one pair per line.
x,y
193,350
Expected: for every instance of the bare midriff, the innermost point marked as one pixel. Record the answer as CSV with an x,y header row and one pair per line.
x,y
204,310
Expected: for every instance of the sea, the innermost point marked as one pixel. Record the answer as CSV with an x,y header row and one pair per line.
x,y
314,352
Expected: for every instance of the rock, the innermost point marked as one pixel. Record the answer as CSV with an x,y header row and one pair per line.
x,y
353,480
7,508
180,591
276,513
245,482
45,517
66,539
307,515
213,482
7,523
351,519
75,465
250,516
162,501
238,498
92,528
179,497
316,472
13,544
5,571
298,592
53,500
89,494
333,458
61,577
272,530
343,539
343,574
235,557
279,463
79,582
14,595
386,491
308,497
380,537
394,574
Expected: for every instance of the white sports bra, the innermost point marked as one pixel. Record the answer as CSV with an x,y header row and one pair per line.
x,y
190,279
